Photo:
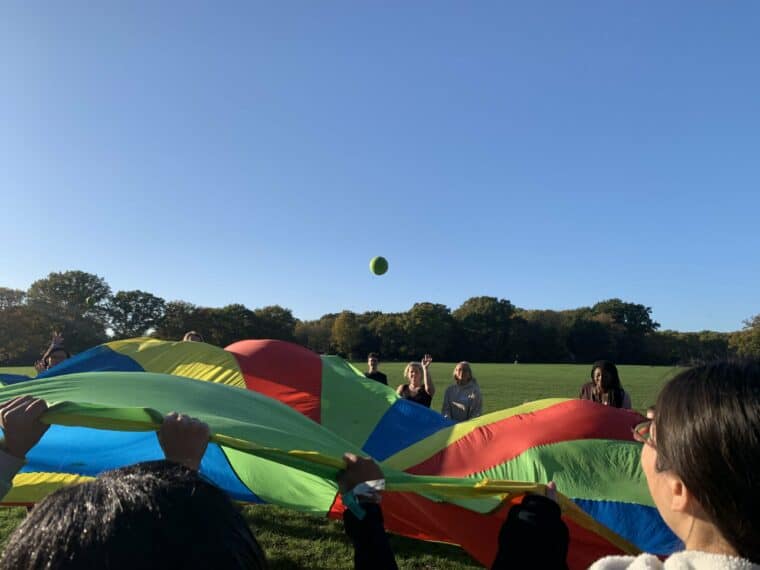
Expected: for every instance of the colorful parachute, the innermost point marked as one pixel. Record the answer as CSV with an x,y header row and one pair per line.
x,y
264,452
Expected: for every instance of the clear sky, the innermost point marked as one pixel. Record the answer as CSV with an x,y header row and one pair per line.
x,y
554,153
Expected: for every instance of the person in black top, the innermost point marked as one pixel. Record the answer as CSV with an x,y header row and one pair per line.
x,y
420,388
372,372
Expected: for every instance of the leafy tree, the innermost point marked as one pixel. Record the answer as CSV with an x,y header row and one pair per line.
x,y
11,298
275,322
179,317
637,319
746,343
24,335
390,331
315,335
134,313
485,325
346,333
74,303
430,328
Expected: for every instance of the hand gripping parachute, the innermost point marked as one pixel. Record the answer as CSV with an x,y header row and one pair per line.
x,y
280,439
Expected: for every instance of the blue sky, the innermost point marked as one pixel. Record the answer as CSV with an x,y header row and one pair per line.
x,y
552,153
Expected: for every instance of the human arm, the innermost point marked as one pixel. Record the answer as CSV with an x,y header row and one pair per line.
x,y
534,535
367,531
446,407
22,429
184,439
476,408
427,377
400,389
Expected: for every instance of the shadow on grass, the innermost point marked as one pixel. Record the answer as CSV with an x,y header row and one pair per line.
x,y
296,540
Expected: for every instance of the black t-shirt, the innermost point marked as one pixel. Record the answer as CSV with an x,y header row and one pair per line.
x,y
421,397
377,376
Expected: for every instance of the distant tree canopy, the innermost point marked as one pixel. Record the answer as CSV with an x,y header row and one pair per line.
x,y
483,329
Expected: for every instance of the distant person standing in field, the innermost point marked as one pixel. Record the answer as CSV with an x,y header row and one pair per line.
x,y
372,372
420,387
192,336
463,400
604,387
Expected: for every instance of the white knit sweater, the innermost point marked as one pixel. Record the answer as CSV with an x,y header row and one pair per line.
x,y
685,560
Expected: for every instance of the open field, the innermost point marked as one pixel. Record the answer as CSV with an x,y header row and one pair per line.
x,y
293,540
507,385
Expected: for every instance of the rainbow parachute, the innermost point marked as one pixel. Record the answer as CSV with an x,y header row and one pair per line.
x,y
279,440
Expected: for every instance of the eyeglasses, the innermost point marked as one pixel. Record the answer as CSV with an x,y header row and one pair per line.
x,y
643,433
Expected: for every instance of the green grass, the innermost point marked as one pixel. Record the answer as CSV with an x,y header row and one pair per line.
x,y
23,370
294,540
507,385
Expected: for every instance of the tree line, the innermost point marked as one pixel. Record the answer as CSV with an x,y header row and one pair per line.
x,y
84,309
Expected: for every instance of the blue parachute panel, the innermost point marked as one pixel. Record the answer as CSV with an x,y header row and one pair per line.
x,y
403,424
639,524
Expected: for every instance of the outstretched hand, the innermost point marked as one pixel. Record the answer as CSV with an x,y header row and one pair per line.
x,y
551,491
20,420
184,439
426,360
358,470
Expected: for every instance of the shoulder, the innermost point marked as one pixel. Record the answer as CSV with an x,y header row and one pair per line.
x,y
685,560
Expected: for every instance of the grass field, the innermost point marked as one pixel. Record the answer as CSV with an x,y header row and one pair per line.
x,y
293,540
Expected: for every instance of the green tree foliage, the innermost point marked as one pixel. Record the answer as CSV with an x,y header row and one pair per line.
x,y
637,319
346,334
134,313
316,335
275,322
746,343
430,328
179,317
73,303
484,329
80,306
11,298
390,331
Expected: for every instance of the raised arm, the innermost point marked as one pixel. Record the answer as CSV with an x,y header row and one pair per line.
x,y
184,439
427,378
20,420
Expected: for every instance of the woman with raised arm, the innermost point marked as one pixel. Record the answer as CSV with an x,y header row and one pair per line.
x,y
419,387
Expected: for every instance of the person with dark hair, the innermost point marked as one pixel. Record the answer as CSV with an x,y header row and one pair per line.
x,y
54,355
373,360
605,387
462,400
419,388
192,336
701,459
157,514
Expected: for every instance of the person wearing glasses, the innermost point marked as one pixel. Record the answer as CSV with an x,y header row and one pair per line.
x,y
605,387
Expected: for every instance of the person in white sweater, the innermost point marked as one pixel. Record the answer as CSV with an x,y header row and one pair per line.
x,y
462,400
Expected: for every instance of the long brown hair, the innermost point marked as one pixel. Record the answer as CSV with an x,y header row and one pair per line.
x,y
708,433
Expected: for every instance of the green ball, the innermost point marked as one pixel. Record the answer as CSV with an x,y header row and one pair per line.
x,y
378,265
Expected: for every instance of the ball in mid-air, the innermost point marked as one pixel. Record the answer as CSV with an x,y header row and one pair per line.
x,y
378,265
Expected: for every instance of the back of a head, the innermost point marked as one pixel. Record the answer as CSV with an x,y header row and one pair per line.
x,y
708,433
149,515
